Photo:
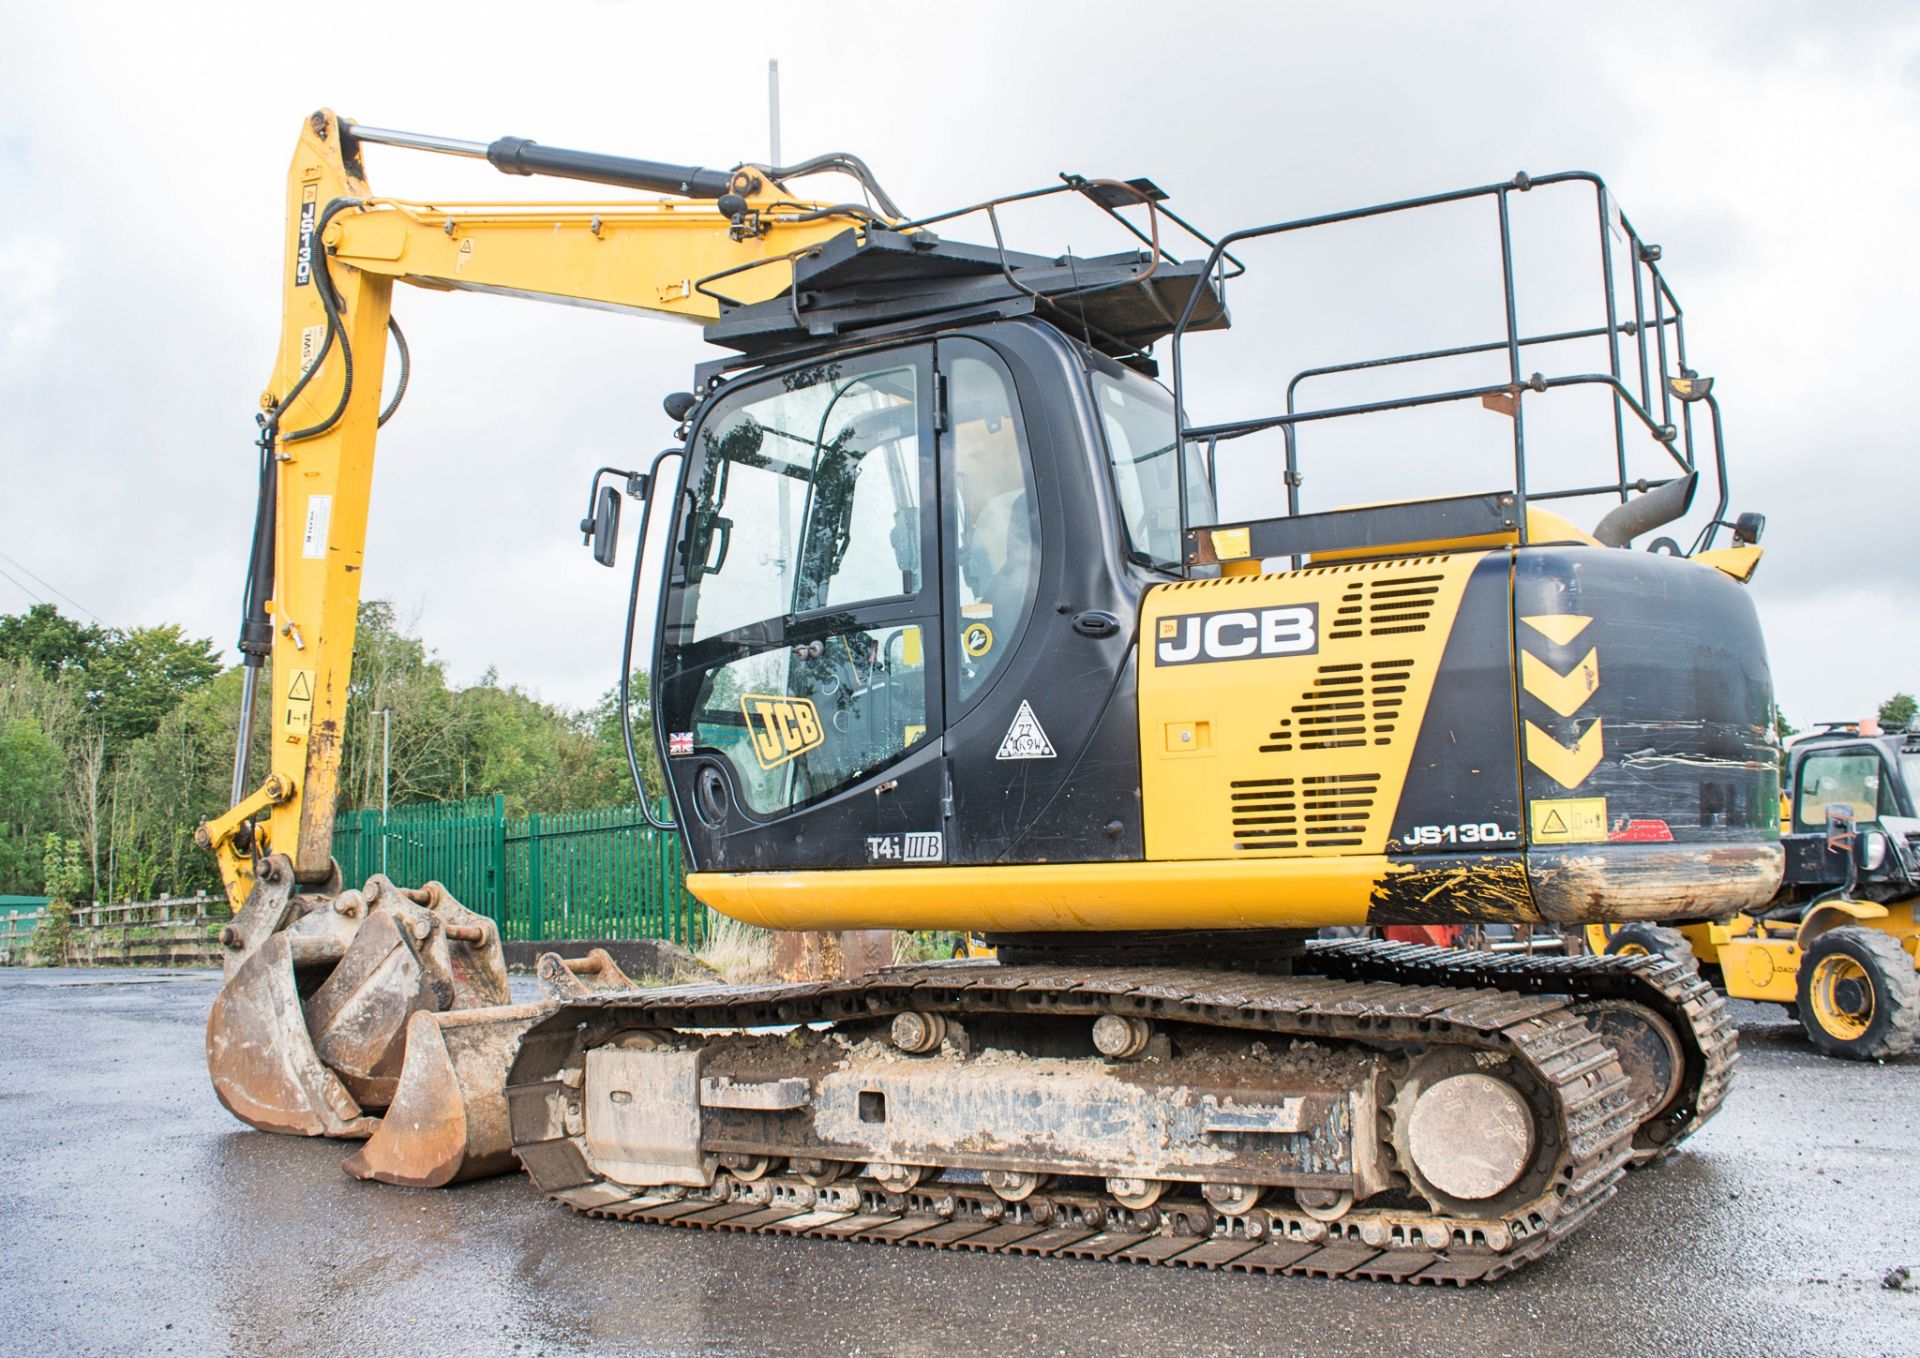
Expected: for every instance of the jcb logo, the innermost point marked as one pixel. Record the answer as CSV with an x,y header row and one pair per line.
x,y
782,727
1239,634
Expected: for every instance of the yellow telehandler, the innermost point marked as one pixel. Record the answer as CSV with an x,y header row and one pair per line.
x,y
1839,944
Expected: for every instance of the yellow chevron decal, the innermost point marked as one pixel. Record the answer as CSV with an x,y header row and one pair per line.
x,y
1559,628
1567,766
1562,692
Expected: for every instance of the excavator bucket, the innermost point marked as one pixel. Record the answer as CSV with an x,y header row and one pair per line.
x,y
345,1006
264,1067
448,1119
308,1035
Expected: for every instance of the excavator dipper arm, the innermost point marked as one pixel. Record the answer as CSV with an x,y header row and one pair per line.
x,y
327,990
322,409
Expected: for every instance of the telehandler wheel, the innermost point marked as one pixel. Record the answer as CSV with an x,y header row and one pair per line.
x,y
1633,940
1859,994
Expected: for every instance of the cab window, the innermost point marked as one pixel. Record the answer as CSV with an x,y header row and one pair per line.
x,y
994,522
1854,780
807,498
1137,418
796,722
795,646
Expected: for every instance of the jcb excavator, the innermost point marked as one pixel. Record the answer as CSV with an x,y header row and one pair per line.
x,y
954,633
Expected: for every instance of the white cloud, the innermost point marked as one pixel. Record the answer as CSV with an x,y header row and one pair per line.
x,y
142,152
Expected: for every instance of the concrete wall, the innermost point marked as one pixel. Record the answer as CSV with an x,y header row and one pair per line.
x,y
169,933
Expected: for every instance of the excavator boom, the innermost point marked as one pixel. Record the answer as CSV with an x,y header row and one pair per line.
x,y
322,408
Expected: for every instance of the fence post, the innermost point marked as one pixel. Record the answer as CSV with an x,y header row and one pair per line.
x,y
536,880
502,907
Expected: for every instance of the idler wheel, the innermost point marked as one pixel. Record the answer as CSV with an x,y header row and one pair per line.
x,y
1324,1204
916,1033
898,1178
1121,1036
1648,1048
1014,1185
1233,1200
820,1173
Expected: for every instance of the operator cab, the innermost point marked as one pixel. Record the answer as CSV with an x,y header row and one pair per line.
x,y
905,581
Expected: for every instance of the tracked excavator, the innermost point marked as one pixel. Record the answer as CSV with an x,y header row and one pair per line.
x,y
956,629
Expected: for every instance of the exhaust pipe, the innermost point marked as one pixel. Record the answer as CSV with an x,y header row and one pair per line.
x,y
1655,509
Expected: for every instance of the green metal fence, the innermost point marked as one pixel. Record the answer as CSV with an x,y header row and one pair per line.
x,y
603,873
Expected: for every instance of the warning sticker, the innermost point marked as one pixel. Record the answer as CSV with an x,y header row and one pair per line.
x,y
299,719
1569,820
313,542
1025,739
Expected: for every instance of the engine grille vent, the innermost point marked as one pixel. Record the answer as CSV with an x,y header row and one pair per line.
x,y
1337,807
1348,706
1266,814
1384,606
1324,811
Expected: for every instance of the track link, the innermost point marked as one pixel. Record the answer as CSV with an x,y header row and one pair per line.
x,y
1593,1118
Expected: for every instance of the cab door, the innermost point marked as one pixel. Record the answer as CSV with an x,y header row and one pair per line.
x,y
800,648
1041,738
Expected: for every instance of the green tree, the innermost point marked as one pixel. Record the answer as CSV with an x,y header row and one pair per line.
x,y
50,641
140,675
610,751
170,780
30,768
449,743
1897,712
65,878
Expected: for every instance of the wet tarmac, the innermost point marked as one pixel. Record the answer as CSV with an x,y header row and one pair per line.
x,y
137,1217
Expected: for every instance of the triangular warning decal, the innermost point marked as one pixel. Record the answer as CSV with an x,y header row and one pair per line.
x,y
1025,739
1553,825
301,689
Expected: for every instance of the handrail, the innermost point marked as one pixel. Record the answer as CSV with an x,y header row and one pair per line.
x,y
1659,346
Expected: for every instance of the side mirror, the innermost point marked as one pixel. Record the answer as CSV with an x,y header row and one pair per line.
x,y
1869,850
606,525
601,527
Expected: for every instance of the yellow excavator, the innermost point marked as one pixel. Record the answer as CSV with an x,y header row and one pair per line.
x,y
955,632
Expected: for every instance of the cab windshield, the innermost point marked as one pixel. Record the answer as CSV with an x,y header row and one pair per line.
x,y
807,498
795,648
1137,418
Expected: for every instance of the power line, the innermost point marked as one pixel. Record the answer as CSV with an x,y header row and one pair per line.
x,y
23,589
19,566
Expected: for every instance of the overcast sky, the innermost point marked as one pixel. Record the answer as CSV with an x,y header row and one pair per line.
x,y
1772,150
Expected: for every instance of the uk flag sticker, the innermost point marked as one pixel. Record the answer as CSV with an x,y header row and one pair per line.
x,y
680,742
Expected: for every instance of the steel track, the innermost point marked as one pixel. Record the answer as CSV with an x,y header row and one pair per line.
x,y
1378,994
